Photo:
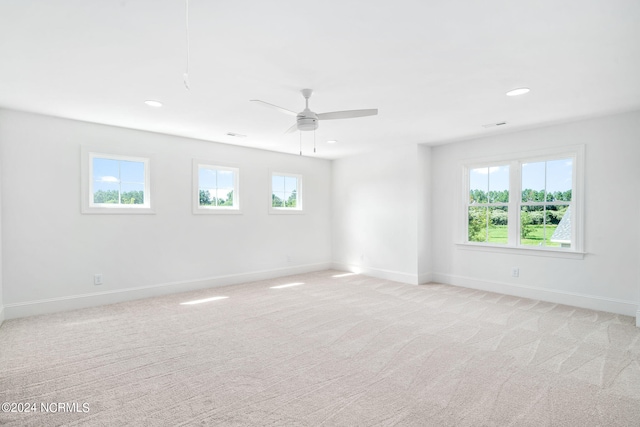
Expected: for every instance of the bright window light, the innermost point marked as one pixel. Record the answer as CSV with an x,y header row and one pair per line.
x,y
345,275
200,301
288,285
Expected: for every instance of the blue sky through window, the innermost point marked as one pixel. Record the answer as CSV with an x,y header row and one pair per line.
x,y
558,175
494,178
553,175
113,174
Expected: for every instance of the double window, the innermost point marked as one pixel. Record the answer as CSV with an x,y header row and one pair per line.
x,y
529,202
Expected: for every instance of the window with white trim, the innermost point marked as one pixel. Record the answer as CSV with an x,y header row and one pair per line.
x,y
216,188
286,192
116,184
530,202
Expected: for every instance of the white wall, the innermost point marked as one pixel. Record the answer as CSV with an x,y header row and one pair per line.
x,y
52,251
375,213
608,278
1,292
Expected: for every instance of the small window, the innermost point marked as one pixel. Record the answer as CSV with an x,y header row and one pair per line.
x,y
216,188
286,192
117,184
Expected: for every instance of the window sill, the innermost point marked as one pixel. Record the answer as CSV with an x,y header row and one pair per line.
x,y
546,252
285,211
118,211
217,211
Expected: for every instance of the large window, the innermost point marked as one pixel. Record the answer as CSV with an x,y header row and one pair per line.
x,y
286,192
216,188
116,184
530,202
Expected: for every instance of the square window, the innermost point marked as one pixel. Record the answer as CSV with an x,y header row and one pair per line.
x,y
216,188
286,193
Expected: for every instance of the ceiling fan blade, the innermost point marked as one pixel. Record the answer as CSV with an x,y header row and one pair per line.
x,y
350,114
266,104
292,128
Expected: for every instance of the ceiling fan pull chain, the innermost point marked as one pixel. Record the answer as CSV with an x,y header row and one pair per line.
x,y
186,74
314,140
300,133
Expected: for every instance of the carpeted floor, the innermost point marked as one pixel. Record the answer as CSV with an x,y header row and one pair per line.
x,y
335,350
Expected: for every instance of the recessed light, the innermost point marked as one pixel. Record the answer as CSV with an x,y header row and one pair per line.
x,y
152,103
518,91
236,135
331,141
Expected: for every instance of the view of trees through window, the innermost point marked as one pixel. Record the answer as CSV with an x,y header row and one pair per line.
x,y
284,191
489,204
118,182
546,196
216,187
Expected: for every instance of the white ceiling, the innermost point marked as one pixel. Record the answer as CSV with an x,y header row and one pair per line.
x,y
436,70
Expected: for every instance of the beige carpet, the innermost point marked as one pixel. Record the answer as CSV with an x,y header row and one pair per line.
x,y
337,350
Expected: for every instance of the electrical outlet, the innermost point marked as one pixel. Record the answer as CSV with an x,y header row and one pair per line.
x,y
289,258
97,279
515,272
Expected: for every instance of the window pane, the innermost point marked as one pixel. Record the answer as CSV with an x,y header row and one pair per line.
x,y
277,183
532,230
205,198
559,180
105,192
225,196
131,194
478,185
498,225
533,182
225,179
277,199
207,178
558,226
477,224
290,199
290,183
131,171
499,184
106,170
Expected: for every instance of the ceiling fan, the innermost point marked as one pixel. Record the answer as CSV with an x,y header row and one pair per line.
x,y
308,120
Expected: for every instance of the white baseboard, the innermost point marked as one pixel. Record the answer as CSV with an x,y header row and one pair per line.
x,y
73,302
592,302
1,314
638,317
396,276
425,278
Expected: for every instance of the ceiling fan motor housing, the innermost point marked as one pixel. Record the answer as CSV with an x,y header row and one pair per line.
x,y
307,120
